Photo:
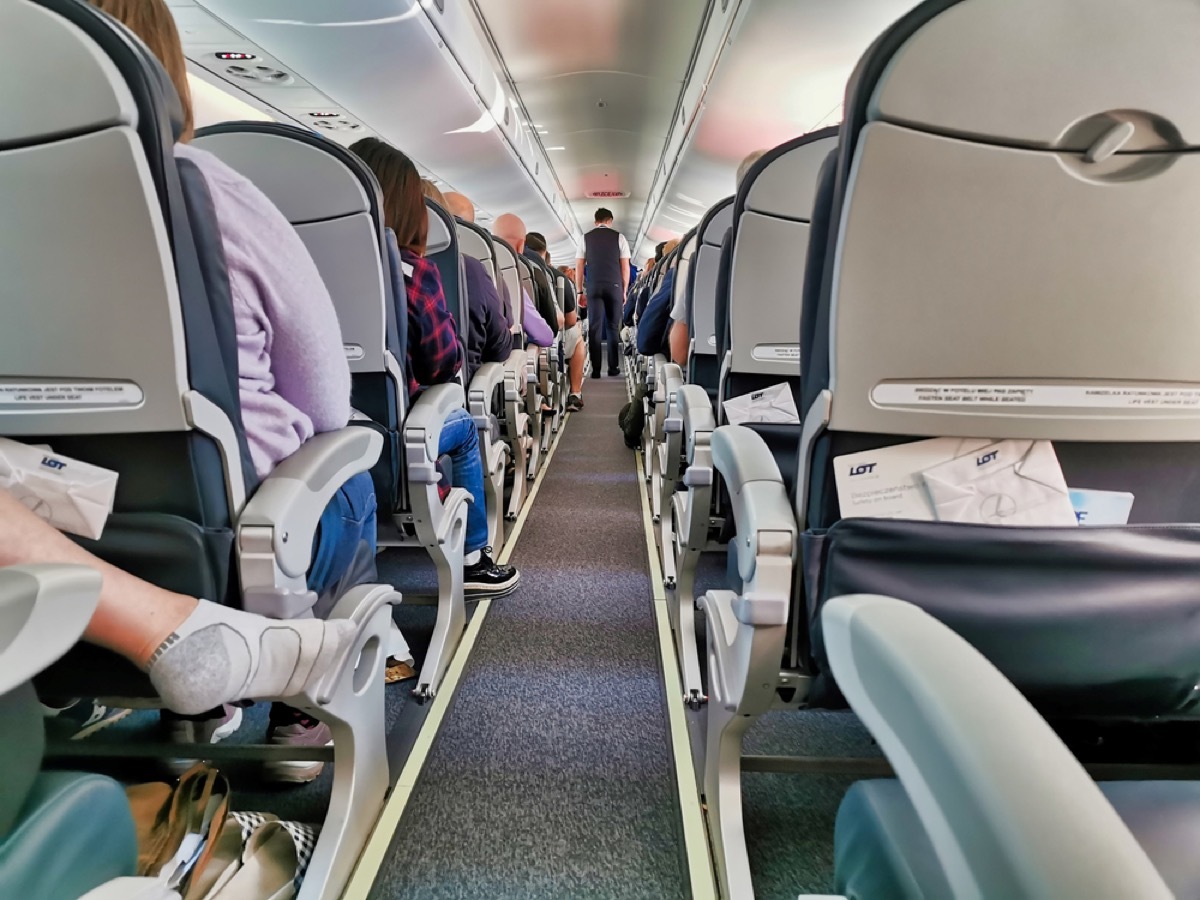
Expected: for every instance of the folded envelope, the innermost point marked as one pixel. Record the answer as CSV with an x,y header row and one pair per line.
x,y
70,495
1006,483
885,483
773,405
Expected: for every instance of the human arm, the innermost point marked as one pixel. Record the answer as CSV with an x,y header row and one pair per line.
x,y
536,327
679,343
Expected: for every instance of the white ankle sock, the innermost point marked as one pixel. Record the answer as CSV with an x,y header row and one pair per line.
x,y
219,654
472,558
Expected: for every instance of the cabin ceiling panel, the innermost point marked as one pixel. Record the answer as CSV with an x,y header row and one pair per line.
x,y
784,75
382,62
600,79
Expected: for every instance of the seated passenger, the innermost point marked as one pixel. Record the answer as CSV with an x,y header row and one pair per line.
x,y
574,350
655,319
511,229
537,327
547,296
435,354
293,377
488,336
198,655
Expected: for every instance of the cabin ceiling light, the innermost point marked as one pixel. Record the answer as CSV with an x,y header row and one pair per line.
x,y
413,10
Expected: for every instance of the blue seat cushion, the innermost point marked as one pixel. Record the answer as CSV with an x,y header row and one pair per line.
x,y
881,849
74,834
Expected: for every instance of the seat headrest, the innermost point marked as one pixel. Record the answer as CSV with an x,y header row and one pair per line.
x,y
969,68
88,92
783,182
716,222
440,224
308,178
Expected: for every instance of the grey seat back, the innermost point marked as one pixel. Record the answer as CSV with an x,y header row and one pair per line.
x,y
1015,306
475,241
441,246
124,355
702,279
770,222
525,276
510,278
683,274
333,202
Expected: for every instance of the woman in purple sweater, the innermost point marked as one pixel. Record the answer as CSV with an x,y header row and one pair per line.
x,y
293,378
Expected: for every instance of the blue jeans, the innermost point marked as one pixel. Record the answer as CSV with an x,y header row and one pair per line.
x,y
344,546
460,441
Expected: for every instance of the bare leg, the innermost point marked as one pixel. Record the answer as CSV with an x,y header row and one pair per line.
x,y
133,616
198,654
575,368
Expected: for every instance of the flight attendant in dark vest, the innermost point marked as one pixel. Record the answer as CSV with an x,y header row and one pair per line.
x,y
604,259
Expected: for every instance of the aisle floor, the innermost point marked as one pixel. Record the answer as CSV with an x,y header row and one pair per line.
x,y
552,774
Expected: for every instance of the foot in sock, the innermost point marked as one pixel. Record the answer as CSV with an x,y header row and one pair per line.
x,y
219,654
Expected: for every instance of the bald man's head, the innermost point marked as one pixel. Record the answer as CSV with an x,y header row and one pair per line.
x,y
511,229
459,205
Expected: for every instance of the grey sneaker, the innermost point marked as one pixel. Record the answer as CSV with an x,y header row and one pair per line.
x,y
292,728
574,403
202,729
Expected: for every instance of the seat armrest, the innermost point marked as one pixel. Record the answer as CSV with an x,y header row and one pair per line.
x,y
44,610
757,494
672,377
423,430
695,409
742,456
488,379
515,370
291,499
1008,808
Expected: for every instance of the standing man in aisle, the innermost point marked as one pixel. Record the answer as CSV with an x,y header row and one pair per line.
x,y
604,260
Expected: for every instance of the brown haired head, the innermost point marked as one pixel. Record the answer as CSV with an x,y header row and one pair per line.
x,y
430,190
151,21
403,200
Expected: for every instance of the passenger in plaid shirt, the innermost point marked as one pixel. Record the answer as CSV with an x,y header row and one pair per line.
x,y
435,354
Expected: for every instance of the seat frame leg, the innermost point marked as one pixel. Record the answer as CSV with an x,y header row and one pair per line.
x,y
350,700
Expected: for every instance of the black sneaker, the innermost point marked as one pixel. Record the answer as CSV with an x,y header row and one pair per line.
x,y
487,579
613,373
574,403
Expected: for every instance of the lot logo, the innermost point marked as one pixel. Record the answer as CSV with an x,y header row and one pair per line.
x,y
863,469
50,463
987,458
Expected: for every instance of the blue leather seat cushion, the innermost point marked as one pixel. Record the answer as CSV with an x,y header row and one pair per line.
x,y
75,833
881,849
